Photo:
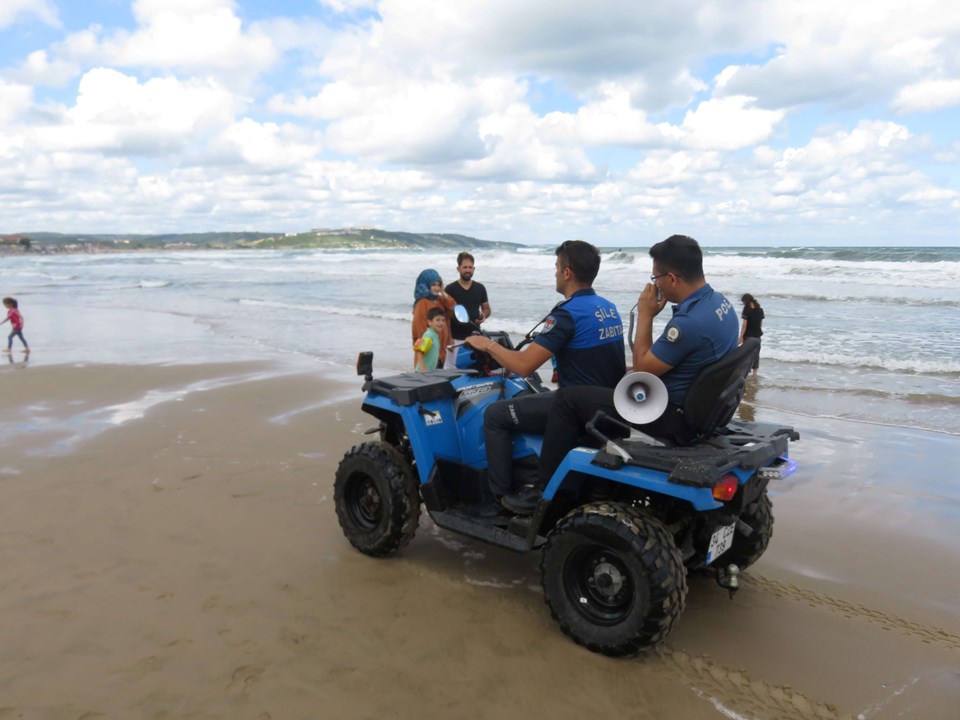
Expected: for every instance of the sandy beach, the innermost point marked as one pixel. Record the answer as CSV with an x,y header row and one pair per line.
x,y
170,550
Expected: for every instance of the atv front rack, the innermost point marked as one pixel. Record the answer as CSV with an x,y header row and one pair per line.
x,y
411,388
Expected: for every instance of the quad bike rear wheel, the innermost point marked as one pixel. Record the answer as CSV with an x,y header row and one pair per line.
x,y
746,550
377,499
613,578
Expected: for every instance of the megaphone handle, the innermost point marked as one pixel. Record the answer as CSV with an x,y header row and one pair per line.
x,y
591,426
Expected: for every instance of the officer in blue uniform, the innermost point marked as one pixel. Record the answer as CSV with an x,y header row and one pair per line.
x,y
703,329
584,333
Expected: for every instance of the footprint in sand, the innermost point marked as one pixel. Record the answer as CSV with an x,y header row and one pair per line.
x,y
145,666
292,637
243,677
210,603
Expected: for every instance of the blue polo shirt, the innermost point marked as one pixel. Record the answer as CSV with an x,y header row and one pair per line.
x,y
585,334
703,329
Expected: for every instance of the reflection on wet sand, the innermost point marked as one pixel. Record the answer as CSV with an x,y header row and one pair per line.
x,y
747,410
19,364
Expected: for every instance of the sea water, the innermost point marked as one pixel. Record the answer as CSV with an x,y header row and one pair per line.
x,y
870,334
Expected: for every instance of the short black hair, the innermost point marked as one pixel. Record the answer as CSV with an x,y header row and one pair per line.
x,y
680,255
434,312
10,301
464,256
582,258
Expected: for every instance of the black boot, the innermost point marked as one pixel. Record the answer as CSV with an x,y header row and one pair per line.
x,y
523,502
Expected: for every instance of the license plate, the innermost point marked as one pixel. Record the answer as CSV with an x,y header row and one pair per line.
x,y
720,542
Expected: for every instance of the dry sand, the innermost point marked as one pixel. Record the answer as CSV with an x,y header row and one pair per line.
x,y
170,550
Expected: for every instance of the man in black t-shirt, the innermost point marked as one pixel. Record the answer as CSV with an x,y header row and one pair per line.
x,y
472,295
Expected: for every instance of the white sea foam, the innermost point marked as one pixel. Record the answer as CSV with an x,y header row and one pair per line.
x,y
897,364
41,275
284,418
326,309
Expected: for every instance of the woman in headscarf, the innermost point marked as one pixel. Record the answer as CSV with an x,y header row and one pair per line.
x,y
427,294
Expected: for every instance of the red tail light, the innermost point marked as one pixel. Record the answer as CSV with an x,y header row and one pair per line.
x,y
726,488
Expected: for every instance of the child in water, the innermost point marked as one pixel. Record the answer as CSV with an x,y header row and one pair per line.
x,y
16,320
427,348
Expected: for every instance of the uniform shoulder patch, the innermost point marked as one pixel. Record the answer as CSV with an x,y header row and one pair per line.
x,y
549,323
672,333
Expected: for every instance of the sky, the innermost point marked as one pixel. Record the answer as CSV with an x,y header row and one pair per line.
x,y
756,122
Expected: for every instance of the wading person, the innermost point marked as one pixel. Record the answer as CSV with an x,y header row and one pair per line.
x,y
752,325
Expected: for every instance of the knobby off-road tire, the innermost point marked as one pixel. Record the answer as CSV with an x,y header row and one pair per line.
x,y
745,551
377,499
613,578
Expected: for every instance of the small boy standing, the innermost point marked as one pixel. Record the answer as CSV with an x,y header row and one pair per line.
x,y
427,349
16,320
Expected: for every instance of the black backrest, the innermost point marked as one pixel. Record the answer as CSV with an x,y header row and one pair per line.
x,y
717,390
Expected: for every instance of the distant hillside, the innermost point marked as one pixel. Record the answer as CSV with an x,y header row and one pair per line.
x,y
320,238
59,242
373,238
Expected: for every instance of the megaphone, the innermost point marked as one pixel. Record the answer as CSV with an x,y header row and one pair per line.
x,y
640,397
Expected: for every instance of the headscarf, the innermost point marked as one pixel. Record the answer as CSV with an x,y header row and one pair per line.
x,y
424,281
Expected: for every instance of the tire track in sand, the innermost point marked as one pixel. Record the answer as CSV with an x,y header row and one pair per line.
x,y
736,691
732,689
888,621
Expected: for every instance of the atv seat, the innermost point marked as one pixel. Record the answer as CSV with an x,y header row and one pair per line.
x,y
709,407
710,403
717,390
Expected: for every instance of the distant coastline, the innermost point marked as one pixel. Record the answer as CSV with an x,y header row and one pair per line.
x,y
340,239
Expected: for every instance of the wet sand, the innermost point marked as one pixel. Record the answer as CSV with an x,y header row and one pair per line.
x,y
170,550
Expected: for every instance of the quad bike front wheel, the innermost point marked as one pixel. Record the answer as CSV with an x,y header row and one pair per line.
x,y
747,549
377,499
613,578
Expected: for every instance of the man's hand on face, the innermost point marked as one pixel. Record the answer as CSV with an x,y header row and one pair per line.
x,y
648,305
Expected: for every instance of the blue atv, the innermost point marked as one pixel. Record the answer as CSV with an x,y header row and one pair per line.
x,y
622,520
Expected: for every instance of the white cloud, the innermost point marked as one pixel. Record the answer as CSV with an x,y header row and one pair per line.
x,y
927,96
930,195
846,56
676,168
516,151
729,123
12,11
201,35
405,121
349,5
269,145
40,69
609,120
15,100
115,112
